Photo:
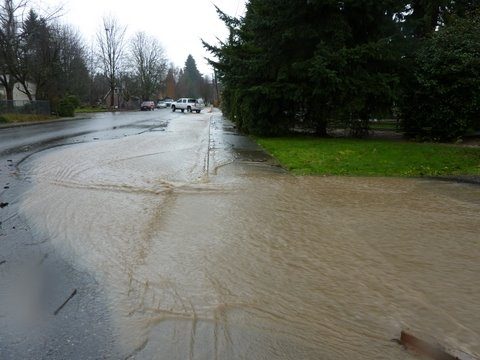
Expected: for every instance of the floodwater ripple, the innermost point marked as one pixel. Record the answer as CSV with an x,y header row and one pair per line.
x,y
259,265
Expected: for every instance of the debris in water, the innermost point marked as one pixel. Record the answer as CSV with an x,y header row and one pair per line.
x,y
2,205
429,350
42,260
37,243
65,302
3,262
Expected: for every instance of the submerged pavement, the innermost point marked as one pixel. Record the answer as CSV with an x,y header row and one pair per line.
x,y
32,274
186,240
48,307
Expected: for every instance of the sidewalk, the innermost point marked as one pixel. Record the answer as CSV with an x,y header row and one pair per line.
x,y
228,148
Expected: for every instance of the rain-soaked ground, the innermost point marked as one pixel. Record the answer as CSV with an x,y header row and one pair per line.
x,y
81,330
191,243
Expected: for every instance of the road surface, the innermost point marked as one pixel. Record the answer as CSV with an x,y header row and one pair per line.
x,y
171,236
75,320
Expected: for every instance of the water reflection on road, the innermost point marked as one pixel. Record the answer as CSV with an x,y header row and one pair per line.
x,y
215,256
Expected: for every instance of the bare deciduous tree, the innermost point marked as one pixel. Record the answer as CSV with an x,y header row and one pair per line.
x,y
111,42
149,64
72,60
29,49
52,56
11,13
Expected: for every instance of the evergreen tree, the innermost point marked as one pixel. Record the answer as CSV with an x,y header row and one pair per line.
x,y
423,17
442,100
294,61
190,81
366,66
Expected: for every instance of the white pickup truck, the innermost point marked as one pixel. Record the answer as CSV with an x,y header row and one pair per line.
x,y
188,104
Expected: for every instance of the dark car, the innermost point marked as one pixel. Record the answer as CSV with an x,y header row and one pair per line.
x,y
147,105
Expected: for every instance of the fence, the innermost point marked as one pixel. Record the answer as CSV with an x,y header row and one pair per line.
x,y
38,107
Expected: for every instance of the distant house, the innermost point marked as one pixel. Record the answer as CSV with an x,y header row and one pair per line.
x,y
18,94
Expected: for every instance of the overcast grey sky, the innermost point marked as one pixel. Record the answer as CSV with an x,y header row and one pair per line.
x,y
178,24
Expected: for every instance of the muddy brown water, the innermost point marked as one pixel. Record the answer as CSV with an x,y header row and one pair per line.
x,y
205,257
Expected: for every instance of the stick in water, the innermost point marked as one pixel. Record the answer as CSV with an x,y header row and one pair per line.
x,y
65,302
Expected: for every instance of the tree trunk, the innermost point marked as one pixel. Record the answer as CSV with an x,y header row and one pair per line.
x,y
321,128
9,96
112,94
26,91
316,118
9,92
112,98
359,128
8,84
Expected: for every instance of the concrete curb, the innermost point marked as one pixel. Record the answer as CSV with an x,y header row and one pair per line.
x,y
463,179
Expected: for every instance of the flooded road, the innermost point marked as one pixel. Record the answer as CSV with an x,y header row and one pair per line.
x,y
206,250
89,127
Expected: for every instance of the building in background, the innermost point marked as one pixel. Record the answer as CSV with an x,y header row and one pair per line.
x,y
18,94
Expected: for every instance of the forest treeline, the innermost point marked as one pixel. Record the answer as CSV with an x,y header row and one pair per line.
x,y
321,64
48,60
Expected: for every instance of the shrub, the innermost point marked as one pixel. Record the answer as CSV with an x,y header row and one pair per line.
x,y
442,100
73,99
66,108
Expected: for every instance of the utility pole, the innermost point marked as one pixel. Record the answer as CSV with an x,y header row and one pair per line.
x,y
217,95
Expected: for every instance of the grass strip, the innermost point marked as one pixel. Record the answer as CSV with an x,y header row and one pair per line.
x,y
20,118
350,157
90,109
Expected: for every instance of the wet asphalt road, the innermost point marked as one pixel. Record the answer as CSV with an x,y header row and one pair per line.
x,y
68,315
87,128
81,329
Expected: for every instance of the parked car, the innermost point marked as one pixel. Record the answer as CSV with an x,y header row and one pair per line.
x,y
147,105
188,104
161,105
169,102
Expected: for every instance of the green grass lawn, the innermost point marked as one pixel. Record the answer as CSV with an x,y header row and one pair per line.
x,y
90,109
19,118
314,156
